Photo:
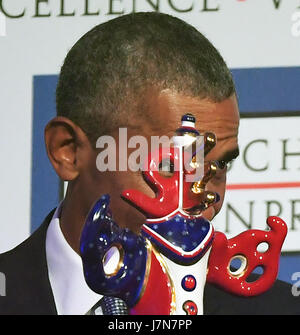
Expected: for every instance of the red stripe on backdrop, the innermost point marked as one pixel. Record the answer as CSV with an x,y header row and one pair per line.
x,y
262,186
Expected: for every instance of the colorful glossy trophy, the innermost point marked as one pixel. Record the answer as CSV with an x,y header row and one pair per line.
x,y
163,270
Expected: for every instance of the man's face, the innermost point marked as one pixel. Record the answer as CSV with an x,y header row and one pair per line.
x,y
162,115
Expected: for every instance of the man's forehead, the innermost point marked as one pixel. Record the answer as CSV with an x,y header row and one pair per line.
x,y
165,109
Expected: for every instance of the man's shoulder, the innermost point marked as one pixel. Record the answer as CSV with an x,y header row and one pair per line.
x,y
27,287
28,251
278,300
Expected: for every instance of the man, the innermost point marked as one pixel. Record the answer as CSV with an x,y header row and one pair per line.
x,y
140,71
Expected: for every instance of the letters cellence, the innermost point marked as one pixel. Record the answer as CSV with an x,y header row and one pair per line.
x,y
44,8
41,8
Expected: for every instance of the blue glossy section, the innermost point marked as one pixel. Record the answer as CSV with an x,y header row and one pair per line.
x,y
184,233
188,117
99,234
188,283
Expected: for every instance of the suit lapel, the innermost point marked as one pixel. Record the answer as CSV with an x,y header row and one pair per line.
x,y
28,289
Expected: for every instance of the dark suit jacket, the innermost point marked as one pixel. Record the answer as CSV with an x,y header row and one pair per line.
x,y
28,289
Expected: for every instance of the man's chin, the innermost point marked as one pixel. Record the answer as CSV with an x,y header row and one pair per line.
x,y
209,213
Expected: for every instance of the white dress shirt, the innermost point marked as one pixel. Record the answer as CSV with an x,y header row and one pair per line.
x,y
71,293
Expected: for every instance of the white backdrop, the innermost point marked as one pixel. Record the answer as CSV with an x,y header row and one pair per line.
x,y
249,33
264,180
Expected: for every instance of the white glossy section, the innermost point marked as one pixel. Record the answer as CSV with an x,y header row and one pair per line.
x,y
177,272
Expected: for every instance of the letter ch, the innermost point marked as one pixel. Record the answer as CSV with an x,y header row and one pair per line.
x,y
246,159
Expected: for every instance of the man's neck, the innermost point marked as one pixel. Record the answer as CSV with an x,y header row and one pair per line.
x,y
72,220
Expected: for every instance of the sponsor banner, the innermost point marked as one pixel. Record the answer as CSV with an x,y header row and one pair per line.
x,y
264,180
35,36
240,29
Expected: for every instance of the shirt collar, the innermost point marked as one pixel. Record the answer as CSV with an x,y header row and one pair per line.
x,y
71,293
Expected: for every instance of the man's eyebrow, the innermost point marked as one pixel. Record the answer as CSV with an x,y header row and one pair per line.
x,y
230,155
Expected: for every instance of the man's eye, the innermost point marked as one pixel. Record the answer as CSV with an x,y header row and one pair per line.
x,y
222,164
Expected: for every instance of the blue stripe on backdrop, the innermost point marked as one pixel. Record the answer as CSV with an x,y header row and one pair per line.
x,y
259,90
289,264
268,89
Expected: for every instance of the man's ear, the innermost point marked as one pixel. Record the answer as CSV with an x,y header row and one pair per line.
x,y
61,138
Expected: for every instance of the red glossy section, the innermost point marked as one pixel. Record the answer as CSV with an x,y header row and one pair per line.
x,y
157,297
166,188
245,245
190,308
188,283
